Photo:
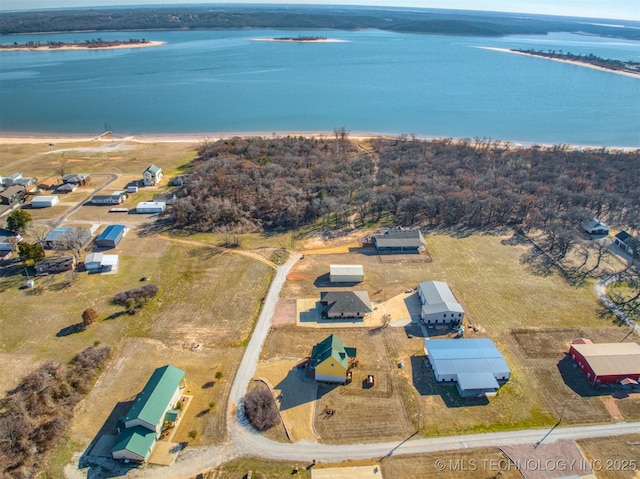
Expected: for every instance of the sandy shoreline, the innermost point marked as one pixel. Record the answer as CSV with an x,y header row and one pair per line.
x,y
199,138
571,62
47,48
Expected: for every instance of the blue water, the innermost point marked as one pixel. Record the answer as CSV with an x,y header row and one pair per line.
x,y
207,82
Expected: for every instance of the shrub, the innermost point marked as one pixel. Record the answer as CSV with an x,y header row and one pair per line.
x,y
260,408
136,298
89,316
219,375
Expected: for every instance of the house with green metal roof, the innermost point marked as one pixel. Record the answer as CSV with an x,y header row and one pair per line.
x,y
153,407
330,360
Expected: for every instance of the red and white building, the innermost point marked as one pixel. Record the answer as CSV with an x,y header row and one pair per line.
x,y
606,363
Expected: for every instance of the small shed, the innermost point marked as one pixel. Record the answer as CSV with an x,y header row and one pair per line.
x,y
111,236
44,201
151,207
101,263
346,273
67,188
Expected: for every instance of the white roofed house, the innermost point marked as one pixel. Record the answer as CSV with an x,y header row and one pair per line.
x,y
595,227
152,176
439,305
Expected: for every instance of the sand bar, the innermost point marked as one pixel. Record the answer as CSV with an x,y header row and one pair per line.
x,y
49,48
571,62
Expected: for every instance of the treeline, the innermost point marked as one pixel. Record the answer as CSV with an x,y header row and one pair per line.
x,y
590,59
251,183
35,414
298,17
93,43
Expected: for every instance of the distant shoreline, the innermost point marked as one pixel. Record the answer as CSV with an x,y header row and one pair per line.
x,y
571,62
49,48
198,138
296,40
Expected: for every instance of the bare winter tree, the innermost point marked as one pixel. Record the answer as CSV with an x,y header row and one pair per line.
x,y
72,240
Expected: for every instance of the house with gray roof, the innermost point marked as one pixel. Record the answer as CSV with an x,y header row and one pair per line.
x,y
399,241
629,244
153,407
595,227
439,305
475,365
345,304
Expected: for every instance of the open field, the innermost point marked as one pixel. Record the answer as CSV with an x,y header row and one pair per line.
x,y
613,457
103,156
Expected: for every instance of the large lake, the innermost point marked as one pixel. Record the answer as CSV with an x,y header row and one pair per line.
x,y
209,82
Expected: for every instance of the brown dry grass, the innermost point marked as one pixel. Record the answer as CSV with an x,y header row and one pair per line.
x,y
613,457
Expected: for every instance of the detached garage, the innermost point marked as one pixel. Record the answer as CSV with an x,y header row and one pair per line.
x,y
346,273
150,207
44,201
111,236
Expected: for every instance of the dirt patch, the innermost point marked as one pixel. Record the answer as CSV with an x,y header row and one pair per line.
x,y
613,457
296,276
358,472
294,393
547,461
285,313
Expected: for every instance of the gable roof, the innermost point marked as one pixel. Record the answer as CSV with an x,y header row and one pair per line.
x,y
623,236
472,356
11,191
592,223
438,298
400,238
611,358
346,301
63,233
137,440
152,401
346,269
111,233
153,169
332,347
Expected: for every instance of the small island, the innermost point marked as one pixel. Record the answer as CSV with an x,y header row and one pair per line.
x,y
94,44
300,38
627,67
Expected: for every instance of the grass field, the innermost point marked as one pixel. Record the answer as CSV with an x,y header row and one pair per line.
x,y
613,457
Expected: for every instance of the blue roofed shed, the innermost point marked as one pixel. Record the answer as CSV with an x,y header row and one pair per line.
x,y
475,365
111,236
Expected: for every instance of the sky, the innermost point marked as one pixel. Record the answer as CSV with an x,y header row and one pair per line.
x,y
618,9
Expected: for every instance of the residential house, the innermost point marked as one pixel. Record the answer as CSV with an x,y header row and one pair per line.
x,y
166,198
48,183
153,408
345,304
12,195
476,365
629,244
399,241
67,188
77,178
346,273
55,265
595,227
12,179
331,360
115,198
607,363
61,237
152,176
439,305
8,242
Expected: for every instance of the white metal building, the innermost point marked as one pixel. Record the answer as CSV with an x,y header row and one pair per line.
x,y
346,273
151,207
44,201
101,263
439,305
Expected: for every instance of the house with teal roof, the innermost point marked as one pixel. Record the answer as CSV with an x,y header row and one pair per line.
x,y
330,360
153,407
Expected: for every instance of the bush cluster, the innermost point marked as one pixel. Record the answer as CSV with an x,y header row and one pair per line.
x,y
36,413
134,299
260,408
